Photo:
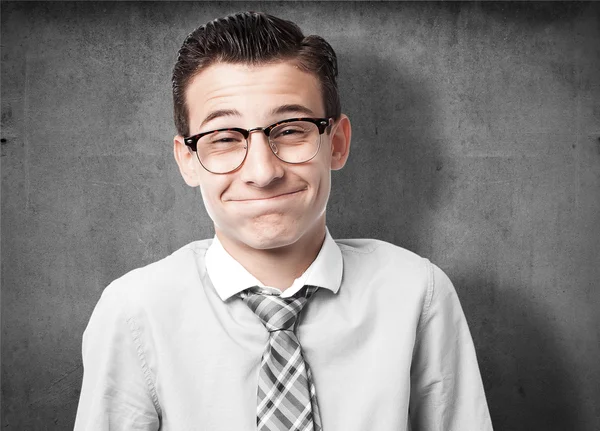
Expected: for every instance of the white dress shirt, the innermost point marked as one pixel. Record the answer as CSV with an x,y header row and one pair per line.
x,y
229,277
171,346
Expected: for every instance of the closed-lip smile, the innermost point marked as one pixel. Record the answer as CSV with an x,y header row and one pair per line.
x,y
266,198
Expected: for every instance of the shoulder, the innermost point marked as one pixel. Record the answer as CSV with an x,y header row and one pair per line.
x,y
393,268
379,254
167,278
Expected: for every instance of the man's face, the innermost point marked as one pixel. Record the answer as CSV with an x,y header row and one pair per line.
x,y
266,203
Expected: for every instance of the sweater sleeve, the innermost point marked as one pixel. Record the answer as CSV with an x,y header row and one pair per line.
x,y
117,391
446,388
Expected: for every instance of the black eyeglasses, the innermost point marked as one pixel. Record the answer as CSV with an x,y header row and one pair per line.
x,y
295,140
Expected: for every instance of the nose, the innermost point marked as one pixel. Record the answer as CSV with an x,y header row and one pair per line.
x,y
261,167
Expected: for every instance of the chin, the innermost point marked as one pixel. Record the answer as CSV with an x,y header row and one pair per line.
x,y
267,234
269,239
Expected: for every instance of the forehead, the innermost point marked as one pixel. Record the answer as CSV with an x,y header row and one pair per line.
x,y
253,91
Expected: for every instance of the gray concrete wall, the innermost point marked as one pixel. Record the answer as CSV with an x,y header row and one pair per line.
x,y
476,143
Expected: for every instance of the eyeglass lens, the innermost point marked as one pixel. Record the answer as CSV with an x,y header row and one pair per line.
x,y
225,151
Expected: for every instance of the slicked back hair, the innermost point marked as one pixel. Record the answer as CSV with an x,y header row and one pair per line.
x,y
253,38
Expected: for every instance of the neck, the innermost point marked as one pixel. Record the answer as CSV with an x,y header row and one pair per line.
x,y
277,267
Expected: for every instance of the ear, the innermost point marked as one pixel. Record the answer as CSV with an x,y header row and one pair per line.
x,y
340,142
187,161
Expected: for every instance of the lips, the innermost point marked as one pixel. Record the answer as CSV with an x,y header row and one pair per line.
x,y
267,198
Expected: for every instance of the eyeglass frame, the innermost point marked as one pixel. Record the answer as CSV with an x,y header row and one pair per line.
x,y
321,123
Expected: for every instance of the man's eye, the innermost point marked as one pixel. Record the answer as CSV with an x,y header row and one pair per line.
x,y
291,131
226,138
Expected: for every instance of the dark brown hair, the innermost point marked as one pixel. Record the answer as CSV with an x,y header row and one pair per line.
x,y
253,38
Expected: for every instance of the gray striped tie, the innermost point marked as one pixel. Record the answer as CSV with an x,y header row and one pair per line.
x,y
286,393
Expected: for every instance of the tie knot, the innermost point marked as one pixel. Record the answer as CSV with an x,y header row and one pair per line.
x,y
275,312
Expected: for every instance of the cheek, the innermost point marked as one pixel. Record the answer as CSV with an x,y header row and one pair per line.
x,y
211,191
321,182
325,187
207,204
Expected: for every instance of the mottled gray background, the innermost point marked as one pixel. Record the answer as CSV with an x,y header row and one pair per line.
x,y
476,144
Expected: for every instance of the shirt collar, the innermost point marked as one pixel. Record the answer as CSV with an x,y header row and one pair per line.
x,y
230,278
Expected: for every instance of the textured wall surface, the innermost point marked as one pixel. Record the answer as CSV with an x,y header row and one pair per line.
x,y
476,144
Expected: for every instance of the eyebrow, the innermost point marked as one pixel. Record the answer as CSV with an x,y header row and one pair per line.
x,y
221,113
284,109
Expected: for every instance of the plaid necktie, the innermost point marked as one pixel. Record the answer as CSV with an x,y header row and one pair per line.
x,y
286,394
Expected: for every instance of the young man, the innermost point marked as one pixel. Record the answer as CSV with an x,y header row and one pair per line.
x,y
273,325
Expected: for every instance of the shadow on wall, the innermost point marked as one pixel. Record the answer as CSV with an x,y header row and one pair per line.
x,y
528,382
395,181
390,187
